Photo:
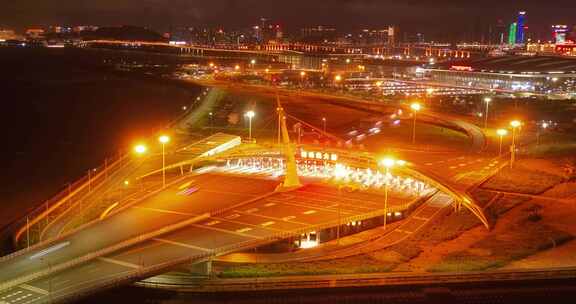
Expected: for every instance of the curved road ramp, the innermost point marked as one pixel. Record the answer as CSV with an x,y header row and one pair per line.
x,y
197,216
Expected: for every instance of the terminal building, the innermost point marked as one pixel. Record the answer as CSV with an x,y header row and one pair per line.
x,y
552,76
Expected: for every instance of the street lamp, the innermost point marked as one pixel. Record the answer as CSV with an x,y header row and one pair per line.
x,y
302,77
164,139
337,80
540,127
211,122
415,108
140,149
250,115
237,67
514,124
388,163
487,100
501,133
324,124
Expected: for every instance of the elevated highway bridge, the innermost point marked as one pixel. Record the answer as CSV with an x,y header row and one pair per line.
x,y
222,196
198,216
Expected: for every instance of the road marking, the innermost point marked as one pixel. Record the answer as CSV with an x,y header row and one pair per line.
x,y
453,167
286,219
309,212
34,289
121,263
267,223
242,230
251,210
232,216
163,211
212,223
182,245
270,205
227,231
226,192
319,208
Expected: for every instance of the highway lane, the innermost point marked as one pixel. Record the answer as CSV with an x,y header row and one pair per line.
x,y
113,189
213,193
252,222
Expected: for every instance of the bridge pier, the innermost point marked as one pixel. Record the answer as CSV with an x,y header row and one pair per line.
x,y
202,269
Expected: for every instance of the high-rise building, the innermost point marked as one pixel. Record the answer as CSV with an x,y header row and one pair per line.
x,y
500,33
318,33
559,33
512,33
520,27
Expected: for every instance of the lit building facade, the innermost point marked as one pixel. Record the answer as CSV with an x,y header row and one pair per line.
x,y
520,28
551,76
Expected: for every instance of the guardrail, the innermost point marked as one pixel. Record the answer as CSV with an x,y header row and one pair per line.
x,y
40,217
108,250
180,225
355,280
36,221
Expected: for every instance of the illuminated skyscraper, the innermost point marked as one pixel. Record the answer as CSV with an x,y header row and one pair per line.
x,y
512,33
560,33
520,27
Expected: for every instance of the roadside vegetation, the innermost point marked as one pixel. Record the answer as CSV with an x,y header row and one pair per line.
x,y
524,237
522,179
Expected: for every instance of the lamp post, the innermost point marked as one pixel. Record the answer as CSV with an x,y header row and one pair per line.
x,y
501,133
388,163
302,78
514,124
324,125
337,80
539,128
415,108
164,139
487,101
250,115
211,122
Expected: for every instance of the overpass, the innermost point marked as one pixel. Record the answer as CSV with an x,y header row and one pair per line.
x,y
221,197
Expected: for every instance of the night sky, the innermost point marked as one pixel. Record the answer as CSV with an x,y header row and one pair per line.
x,y
428,16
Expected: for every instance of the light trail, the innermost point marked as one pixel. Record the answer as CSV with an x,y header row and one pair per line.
x,y
49,250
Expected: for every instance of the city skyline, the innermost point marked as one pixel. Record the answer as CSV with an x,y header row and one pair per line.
x,y
414,16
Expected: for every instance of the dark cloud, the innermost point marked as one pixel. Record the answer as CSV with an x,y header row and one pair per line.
x,y
422,15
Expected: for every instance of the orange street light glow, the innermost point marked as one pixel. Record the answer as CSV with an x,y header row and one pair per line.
x,y
502,132
416,106
140,149
515,123
164,139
